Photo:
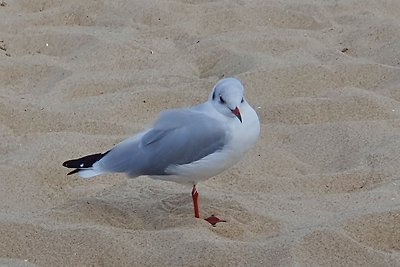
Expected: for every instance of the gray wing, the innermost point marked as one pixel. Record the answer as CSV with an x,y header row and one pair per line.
x,y
177,137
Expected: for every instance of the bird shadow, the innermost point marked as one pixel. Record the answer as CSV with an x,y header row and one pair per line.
x,y
156,210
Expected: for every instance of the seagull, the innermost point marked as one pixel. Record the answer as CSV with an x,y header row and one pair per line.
x,y
185,145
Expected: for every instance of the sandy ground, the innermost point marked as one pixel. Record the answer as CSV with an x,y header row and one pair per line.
x,y
321,187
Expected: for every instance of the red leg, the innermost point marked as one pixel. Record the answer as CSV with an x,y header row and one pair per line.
x,y
195,196
212,219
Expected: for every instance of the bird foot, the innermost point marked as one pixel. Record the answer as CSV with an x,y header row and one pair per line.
x,y
213,220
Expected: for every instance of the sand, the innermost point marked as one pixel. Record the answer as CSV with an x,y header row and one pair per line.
x,y
320,188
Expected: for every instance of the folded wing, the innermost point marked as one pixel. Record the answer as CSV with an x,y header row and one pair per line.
x,y
178,137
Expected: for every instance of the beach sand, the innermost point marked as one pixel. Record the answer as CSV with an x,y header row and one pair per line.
x,y
320,188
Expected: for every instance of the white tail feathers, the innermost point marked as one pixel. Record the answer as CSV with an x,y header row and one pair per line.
x,y
89,173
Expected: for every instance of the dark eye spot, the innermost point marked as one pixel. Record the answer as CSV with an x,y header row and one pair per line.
x,y
242,100
221,100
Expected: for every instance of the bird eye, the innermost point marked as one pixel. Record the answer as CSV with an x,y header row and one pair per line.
x,y
242,100
221,100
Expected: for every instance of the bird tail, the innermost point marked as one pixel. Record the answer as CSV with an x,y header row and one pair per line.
x,y
85,166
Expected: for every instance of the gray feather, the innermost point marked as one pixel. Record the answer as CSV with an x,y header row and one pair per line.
x,y
177,137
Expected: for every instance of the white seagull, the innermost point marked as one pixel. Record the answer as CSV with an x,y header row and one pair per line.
x,y
185,145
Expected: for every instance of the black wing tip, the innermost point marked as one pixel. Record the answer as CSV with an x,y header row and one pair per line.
x,y
67,163
84,162
74,171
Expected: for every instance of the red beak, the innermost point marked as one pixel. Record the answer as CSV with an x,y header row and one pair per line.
x,y
236,111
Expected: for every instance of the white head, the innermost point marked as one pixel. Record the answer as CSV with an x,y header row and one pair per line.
x,y
227,96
